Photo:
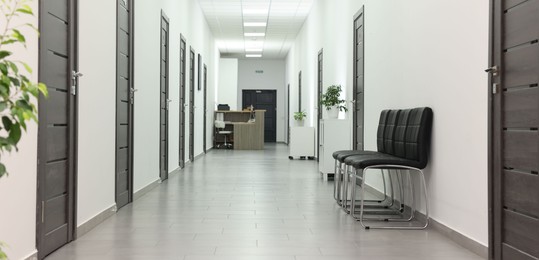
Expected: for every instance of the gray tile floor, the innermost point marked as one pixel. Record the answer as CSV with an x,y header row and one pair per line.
x,y
249,205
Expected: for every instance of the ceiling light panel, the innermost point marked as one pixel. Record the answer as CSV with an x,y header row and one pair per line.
x,y
254,24
255,34
253,55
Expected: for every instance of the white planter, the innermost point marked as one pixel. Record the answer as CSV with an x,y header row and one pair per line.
x,y
333,113
300,122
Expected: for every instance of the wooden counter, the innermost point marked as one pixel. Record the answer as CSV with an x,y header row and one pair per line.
x,y
246,136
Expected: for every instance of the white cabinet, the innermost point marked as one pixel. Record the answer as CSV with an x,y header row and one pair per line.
x,y
335,135
301,142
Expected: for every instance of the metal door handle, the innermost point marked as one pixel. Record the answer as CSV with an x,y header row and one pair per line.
x,y
493,70
76,74
134,90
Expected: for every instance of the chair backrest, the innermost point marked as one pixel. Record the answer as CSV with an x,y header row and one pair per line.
x,y
381,130
219,124
389,133
418,135
399,142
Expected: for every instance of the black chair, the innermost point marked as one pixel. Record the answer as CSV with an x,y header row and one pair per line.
x,y
407,152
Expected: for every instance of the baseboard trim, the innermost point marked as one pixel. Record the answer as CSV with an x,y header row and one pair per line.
x,y
457,237
174,172
95,221
198,156
32,256
138,194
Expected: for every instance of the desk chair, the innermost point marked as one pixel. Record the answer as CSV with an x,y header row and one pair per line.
x,y
221,125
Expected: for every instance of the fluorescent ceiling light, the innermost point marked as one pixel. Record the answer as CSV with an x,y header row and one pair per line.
x,y
253,55
253,50
255,11
254,24
255,34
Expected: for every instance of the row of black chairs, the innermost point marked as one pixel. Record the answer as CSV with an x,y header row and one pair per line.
x,y
403,144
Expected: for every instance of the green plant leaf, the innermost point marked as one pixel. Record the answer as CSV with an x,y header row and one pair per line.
x,y
3,106
15,81
43,88
26,10
3,68
23,104
18,35
2,173
15,134
27,67
13,67
6,121
4,54
10,41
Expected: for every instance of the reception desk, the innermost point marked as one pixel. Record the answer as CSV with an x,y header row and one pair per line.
x,y
245,135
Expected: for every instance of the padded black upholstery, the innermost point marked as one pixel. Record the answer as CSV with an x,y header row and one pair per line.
x,y
400,134
341,155
411,141
381,130
389,133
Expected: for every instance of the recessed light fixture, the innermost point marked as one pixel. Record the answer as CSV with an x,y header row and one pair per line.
x,y
254,24
253,50
255,11
255,34
253,55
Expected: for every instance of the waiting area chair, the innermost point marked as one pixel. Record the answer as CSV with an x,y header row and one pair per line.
x,y
402,150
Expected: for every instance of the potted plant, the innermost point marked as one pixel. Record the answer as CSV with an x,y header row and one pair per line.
x,y
299,116
331,101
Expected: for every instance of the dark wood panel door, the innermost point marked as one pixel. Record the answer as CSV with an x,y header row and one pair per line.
x,y
320,82
183,105
299,92
264,100
359,88
164,102
514,158
192,105
57,156
205,80
124,103
288,114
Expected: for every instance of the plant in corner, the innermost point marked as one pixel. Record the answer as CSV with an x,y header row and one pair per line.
x,y
17,92
330,99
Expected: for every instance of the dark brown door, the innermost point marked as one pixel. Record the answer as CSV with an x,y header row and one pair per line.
x,y
183,65
288,114
164,100
192,105
124,104
320,91
264,100
57,158
514,191
205,104
299,92
359,81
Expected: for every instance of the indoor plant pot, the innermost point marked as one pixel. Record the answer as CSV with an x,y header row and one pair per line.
x,y
331,101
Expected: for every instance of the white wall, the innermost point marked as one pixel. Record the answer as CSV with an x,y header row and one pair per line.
x,y
272,78
97,106
417,53
185,18
228,83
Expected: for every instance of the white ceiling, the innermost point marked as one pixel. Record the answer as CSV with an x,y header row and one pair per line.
x,y
284,20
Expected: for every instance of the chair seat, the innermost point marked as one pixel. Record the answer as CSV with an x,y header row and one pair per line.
x,y
341,155
369,160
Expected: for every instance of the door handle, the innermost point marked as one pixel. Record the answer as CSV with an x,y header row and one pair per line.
x,y
493,70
